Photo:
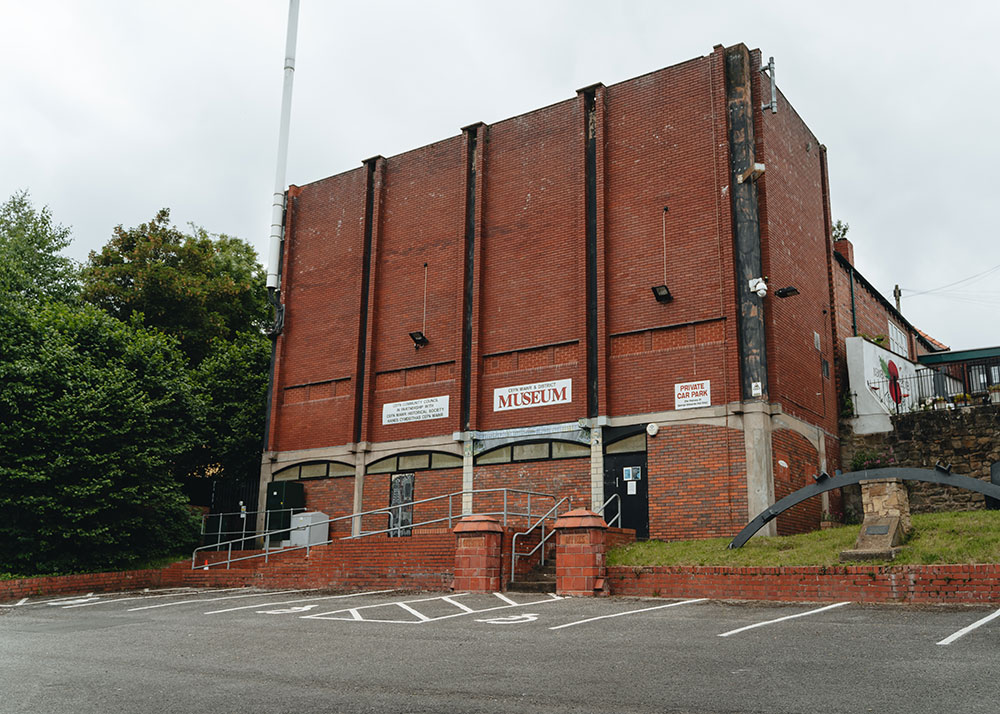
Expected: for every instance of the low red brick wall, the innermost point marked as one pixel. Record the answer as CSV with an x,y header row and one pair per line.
x,y
422,561
72,584
956,584
617,537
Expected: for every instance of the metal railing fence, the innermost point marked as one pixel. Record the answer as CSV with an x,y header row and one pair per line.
x,y
218,528
551,514
510,500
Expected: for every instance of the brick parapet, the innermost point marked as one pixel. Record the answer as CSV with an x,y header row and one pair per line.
x,y
969,584
907,584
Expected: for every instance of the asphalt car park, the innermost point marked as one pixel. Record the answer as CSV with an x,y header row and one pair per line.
x,y
184,650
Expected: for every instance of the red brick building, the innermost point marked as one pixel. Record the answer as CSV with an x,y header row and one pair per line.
x,y
526,253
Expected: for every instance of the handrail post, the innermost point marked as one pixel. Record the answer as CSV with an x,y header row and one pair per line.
x,y
218,538
229,556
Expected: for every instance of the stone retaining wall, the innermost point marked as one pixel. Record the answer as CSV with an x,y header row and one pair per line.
x,y
968,438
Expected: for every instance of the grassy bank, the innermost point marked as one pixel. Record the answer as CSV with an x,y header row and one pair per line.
x,y
965,537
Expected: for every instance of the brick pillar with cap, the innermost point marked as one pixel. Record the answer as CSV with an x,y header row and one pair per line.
x,y
581,542
478,557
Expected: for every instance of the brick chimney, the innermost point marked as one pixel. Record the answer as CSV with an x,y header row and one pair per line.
x,y
845,248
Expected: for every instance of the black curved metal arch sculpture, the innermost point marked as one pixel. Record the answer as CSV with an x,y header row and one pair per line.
x,y
939,474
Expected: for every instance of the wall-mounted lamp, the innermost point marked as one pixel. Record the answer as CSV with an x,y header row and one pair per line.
x,y
418,337
662,293
787,292
752,173
759,286
419,340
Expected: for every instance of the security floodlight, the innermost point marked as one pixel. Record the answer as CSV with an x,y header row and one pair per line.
x,y
419,340
662,293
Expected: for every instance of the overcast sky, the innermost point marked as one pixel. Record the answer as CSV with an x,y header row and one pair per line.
x,y
112,110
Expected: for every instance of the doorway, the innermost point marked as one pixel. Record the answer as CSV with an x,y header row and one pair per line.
x,y
625,474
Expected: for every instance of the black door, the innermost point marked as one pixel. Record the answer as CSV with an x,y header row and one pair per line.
x,y
625,475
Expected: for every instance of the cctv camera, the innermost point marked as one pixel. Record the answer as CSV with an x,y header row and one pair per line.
x,y
759,286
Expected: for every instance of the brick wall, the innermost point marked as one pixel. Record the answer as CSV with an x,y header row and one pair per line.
x,y
429,561
422,216
697,482
532,316
426,484
795,463
870,313
559,477
795,253
332,496
313,401
665,146
916,584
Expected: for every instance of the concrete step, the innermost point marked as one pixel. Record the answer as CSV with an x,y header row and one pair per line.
x,y
532,586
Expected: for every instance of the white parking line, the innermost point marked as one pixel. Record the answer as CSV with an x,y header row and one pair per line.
x,y
65,601
354,614
419,615
630,612
505,598
457,604
966,630
301,599
54,601
782,619
228,597
187,591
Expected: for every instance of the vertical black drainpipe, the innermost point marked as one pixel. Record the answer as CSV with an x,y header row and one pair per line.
x,y
278,324
270,395
590,181
366,267
746,222
472,140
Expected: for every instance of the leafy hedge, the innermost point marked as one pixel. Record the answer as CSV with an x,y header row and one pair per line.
x,y
94,414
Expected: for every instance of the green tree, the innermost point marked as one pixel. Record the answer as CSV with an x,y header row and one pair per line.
x,y
232,383
195,287
30,264
840,229
95,414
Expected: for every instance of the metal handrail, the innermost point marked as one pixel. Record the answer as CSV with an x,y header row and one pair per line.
x,y
245,518
514,555
618,515
267,541
390,511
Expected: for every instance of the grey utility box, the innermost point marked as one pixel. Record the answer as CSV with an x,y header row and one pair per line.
x,y
309,528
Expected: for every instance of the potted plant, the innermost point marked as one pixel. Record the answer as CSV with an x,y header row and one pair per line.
x,y
961,399
994,390
940,403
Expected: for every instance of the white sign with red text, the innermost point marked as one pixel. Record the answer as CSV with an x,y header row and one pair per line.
x,y
415,410
523,396
688,395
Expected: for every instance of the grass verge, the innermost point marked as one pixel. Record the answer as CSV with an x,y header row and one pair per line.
x,y
957,537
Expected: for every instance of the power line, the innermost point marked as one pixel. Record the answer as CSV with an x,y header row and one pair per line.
x,y
950,285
